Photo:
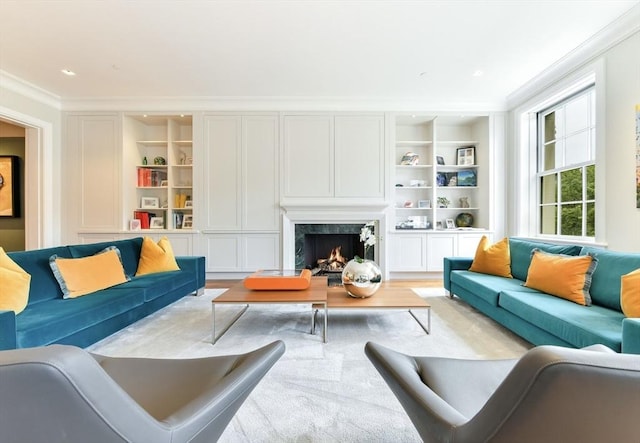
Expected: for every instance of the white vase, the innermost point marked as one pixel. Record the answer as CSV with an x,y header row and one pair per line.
x,y
361,278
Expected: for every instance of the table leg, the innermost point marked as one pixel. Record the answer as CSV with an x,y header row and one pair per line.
x,y
326,322
226,328
427,328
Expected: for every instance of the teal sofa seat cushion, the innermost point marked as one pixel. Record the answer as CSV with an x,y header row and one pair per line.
x,y
605,282
56,319
485,286
129,252
44,285
156,285
521,249
579,325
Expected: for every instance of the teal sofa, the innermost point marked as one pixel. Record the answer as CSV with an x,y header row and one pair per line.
x,y
543,319
48,318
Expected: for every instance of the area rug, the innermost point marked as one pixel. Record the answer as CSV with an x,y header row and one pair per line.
x,y
317,392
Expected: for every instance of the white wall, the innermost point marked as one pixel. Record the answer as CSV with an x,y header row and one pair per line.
x,y
41,117
617,73
622,65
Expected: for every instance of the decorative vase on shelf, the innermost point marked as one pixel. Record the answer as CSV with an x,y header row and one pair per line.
x,y
361,278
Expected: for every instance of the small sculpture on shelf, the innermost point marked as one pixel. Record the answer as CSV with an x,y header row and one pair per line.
x,y
464,202
159,161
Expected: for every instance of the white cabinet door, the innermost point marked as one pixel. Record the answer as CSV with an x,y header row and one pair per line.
x,y
308,156
407,252
260,190
440,246
222,172
91,172
359,151
222,252
468,243
260,251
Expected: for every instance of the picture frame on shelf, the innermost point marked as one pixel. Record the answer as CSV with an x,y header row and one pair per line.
x,y
424,204
188,204
466,156
450,223
150,203
164,183
156,223
135,225
467,177
438,225
187,221
440,160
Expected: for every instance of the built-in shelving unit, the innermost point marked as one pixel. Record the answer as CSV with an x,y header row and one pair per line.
x,y
160,150
443,180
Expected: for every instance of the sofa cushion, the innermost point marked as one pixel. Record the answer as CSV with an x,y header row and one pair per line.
x,y
565,276
630,294
81,276
156,285
44,285
605,287
521,249
492,259
156,257
485,286
55,319
14,285
579,325
129,252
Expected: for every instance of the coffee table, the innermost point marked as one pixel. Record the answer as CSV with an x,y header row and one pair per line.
x,y
315,295
384,298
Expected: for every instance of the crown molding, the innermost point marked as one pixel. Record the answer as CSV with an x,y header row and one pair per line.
x,y
621,29
271,103
29,90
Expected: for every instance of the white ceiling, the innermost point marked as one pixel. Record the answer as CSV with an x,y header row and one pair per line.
x,y
348,50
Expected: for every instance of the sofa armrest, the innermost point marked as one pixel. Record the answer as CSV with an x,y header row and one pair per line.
x,y
631,336
7,330
454,264
195,265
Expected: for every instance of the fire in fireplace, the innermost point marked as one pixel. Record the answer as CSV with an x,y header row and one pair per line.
x,y
327,248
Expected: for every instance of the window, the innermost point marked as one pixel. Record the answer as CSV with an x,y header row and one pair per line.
x,y
566,166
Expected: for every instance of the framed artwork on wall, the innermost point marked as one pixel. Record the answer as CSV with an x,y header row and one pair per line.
x,y
9,186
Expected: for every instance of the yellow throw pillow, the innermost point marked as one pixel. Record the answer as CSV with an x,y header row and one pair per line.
x,y
564,276
14,285
630,293
81,276
492,259
156,257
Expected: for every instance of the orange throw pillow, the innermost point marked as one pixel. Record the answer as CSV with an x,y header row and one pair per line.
x,y
156,257
630,294
492,259
564,276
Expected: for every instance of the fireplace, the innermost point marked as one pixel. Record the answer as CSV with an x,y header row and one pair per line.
x,y
324,222
315,242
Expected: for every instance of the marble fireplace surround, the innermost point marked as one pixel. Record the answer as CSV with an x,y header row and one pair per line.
x,y
330,214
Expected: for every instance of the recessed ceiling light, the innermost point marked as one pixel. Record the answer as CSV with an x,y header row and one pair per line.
x,y
423,73
68,72
477,73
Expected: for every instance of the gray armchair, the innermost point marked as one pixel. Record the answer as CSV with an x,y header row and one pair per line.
x,y
64,394
551,394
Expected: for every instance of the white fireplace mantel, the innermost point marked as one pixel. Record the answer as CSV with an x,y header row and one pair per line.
x,y
338,213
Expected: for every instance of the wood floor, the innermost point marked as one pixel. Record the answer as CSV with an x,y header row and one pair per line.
x,y
427,283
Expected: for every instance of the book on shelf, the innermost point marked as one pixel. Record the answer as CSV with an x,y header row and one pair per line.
x,y
148,177
144,217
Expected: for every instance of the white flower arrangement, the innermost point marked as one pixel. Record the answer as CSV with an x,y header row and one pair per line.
x,y
367,237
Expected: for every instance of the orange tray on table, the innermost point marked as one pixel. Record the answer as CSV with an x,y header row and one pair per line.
x,y
278,280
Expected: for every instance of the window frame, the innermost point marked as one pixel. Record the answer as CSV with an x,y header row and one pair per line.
x,y
538,146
